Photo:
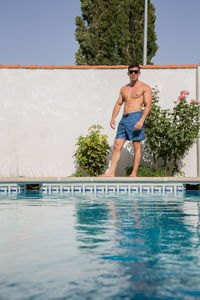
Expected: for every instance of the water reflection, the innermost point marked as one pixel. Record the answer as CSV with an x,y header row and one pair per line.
x,y
91,223
90,246
151,240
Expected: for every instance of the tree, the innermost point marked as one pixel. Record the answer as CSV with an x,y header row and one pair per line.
x,y
111,32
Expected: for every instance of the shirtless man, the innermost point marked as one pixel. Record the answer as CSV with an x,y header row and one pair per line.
x,y
131,126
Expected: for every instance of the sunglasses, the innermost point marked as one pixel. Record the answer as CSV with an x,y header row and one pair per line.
x,y
133,71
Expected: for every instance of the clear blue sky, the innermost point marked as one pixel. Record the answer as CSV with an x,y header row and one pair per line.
x,y
41,32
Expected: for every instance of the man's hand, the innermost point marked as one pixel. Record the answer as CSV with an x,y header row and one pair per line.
x,y
138,125
112,124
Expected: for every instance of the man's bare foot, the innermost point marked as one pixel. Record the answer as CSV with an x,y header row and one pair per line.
x,y
107,175
133,174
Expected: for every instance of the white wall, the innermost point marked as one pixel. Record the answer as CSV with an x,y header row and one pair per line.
x,y
44,111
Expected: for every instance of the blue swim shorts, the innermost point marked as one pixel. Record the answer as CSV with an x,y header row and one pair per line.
x,y
126,127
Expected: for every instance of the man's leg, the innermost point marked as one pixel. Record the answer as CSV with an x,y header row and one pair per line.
x,y
115,157
137,157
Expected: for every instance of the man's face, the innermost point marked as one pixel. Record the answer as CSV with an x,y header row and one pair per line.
x,y
133,73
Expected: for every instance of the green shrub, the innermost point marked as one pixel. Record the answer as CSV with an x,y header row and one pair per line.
x,y
78,173
144,171
171,133
91,153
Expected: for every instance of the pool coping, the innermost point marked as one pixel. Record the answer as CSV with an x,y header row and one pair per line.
x,y
38,180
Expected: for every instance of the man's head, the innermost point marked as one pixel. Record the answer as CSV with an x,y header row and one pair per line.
x,y
133,71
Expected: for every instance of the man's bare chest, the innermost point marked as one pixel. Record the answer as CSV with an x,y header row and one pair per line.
x,y
132,94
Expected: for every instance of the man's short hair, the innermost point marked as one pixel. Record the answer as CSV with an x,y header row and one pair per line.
x,y
133,65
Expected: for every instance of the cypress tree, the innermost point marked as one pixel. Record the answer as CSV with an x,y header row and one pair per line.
x,y
111,32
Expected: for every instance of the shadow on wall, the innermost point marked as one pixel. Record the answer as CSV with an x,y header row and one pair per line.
x,y
127,155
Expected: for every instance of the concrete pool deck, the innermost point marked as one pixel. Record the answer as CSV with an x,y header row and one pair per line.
x,y
38,180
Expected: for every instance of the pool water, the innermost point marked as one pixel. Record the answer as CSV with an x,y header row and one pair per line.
x,y
100,246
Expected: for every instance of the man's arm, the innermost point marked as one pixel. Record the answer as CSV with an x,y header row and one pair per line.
x,y
116,109
147,103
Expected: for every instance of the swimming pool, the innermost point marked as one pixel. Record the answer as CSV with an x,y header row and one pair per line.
x,y
100,246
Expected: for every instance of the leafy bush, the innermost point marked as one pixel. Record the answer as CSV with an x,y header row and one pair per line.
x,y
170,134
144,171
91,153
78,173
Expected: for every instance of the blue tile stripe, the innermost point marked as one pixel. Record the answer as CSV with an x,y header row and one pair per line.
x,y
116,188
97,188
12,188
